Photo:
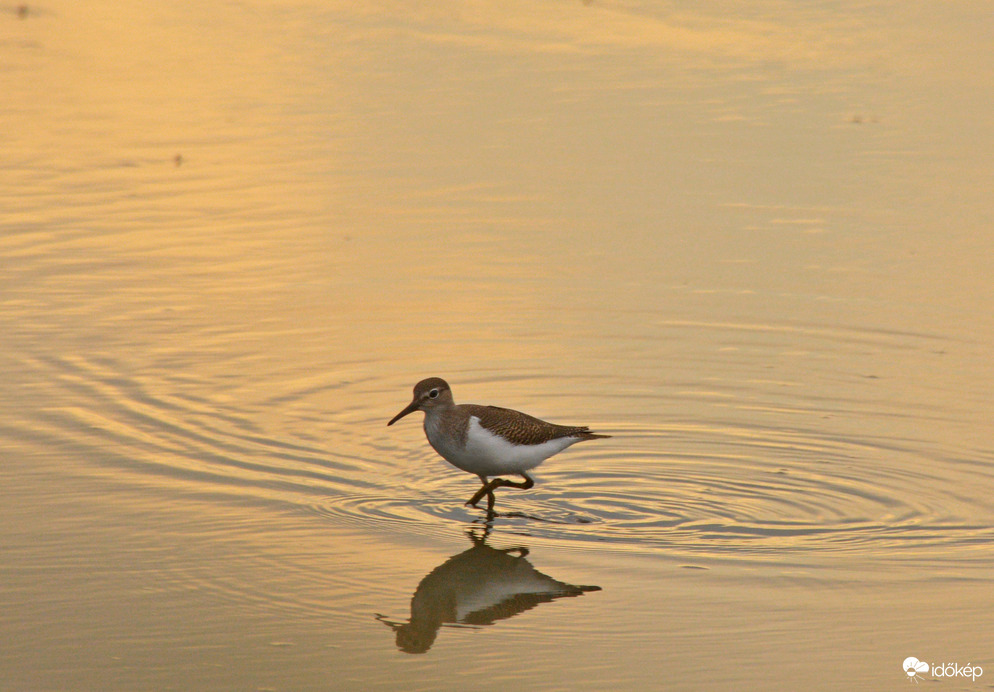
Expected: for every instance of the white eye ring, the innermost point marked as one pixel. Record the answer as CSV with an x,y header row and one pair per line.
x,y
433,394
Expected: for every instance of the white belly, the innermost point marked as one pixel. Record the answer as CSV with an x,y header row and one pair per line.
x,y
486,454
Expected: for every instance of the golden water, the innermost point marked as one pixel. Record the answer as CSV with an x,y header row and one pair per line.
x,y
753,243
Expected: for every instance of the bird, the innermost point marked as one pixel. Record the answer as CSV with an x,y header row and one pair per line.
x,y
488,441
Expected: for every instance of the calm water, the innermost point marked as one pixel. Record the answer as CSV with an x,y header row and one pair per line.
x,y
753,243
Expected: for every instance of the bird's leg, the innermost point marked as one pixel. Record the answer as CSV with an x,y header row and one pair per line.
x,y
487,489
524,486
504,483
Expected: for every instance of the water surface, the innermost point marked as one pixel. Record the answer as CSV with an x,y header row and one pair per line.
x,y
752,243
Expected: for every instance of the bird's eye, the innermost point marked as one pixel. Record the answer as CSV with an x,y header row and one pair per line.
x,y
433,394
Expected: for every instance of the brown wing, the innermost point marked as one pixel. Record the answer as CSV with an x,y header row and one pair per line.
x,y
522,429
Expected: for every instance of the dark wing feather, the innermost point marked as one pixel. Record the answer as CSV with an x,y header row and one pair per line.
x,y
522,429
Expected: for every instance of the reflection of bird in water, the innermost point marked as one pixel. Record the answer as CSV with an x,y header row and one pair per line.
x,y
477,587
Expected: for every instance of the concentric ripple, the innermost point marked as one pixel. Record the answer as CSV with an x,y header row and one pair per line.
x,y
706,489
770,493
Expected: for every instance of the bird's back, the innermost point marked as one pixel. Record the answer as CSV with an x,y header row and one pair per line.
x,y
522,429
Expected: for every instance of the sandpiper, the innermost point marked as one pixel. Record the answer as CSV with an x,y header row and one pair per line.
x,y
488,440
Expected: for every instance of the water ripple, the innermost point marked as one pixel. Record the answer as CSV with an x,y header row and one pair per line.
x,y
723,490
824,496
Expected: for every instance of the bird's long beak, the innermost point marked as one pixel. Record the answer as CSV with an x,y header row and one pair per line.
x,y
411,408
